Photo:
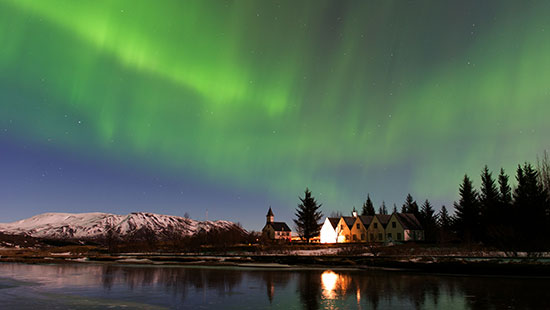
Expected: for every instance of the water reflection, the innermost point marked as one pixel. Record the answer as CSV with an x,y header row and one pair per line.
x,y
274,280
232,288
309,290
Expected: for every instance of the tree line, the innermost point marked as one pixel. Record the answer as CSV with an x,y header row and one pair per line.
x,y
495,215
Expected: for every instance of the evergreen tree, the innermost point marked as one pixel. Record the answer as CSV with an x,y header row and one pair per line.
x,y
466,219
394,208
368,207
444,222
489,207
382,209
505,190
543,167
529,210
505,237
410,206
308,217
428,219
544,181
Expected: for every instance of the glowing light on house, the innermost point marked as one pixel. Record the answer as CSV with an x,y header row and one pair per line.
x,y
328,234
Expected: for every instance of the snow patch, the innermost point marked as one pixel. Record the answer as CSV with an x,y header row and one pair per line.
x,y
98,225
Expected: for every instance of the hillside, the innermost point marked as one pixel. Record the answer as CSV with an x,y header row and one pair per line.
x,y
85,226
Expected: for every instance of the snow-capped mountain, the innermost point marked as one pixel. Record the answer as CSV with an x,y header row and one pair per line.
x,y
98,225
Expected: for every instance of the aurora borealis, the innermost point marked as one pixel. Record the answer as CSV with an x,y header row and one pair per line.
x,y
233,106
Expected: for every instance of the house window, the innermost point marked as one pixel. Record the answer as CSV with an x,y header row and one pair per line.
x,y
393,225
389,236
357,225
380,236
398,236
371,237
342,227
347,237
354,237
375,225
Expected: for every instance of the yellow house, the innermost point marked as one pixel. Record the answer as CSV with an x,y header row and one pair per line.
x,y
377,228
359,228
344,229
404,227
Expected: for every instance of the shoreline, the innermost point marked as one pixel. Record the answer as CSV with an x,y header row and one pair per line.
x,y
451,265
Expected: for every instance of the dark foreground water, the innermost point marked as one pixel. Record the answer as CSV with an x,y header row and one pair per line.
x,y
82,286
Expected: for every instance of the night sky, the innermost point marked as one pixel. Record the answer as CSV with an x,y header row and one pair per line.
x,y
235,106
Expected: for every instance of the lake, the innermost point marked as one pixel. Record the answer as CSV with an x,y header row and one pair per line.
x,y
98,286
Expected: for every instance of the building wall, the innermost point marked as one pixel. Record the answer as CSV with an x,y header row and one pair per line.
x,y
395,229
277,235
376,232
328,234
358,230
343,232
268,231
282,235
414,235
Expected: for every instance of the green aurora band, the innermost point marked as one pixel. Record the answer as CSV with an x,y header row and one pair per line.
x,y
346,97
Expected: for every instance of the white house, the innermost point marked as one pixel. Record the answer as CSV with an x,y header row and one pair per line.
x,y
329,230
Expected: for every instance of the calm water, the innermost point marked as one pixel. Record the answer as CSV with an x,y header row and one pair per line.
x,y
83,286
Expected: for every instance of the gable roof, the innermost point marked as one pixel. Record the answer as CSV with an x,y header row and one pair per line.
x,y
366,219
279,226
408,221
334,221
383,218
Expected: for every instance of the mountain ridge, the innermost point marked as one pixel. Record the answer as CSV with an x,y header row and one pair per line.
x,y
94,225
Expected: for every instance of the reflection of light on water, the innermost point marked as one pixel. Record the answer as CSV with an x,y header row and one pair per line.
x,y
328,279
337,285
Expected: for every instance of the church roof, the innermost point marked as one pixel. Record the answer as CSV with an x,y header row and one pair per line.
x,y
279,226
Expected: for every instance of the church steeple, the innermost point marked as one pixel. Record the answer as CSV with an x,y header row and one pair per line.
x,y
269,216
